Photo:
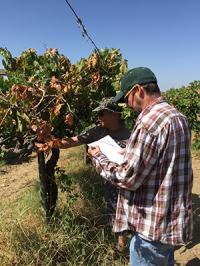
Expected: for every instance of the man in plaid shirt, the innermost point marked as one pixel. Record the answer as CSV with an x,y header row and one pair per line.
x,y
155,179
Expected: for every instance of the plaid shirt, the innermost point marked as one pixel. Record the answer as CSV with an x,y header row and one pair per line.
x,y
155,179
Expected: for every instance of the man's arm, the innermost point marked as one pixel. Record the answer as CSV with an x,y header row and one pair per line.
x,y
141,154
64,143
86,137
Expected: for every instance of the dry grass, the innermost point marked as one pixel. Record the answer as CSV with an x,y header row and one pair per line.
x,y
78,233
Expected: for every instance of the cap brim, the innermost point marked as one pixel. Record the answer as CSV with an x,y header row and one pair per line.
x,y
98,109
119,97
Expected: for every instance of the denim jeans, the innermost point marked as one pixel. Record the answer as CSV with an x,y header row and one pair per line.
x,y
149,253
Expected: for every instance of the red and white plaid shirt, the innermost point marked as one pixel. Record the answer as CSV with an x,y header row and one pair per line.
x,y
155,179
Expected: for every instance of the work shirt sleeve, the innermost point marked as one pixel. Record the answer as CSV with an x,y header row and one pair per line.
x,y
141,155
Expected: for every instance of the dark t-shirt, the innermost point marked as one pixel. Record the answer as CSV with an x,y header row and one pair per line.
x,y
98,132
120,136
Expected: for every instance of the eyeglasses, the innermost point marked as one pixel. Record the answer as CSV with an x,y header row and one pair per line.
x,y
128,93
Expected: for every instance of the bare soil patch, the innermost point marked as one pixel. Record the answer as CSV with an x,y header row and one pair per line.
x,y
15,179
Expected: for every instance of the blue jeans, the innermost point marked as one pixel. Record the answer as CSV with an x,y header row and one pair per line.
x,y
149,253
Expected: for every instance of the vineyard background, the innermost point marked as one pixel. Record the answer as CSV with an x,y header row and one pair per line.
x,y
39,91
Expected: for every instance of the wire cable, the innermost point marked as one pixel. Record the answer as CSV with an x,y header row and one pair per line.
x,y
83,29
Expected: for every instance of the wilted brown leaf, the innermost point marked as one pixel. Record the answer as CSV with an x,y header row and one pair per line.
x,y
93,60
57,108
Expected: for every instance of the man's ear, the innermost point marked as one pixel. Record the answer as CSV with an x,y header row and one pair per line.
x,y
141,92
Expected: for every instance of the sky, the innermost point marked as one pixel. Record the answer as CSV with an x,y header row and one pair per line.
x,y
161,35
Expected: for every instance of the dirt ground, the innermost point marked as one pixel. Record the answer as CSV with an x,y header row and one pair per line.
x,y
15,179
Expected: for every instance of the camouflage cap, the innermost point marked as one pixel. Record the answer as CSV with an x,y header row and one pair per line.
x,y
108,104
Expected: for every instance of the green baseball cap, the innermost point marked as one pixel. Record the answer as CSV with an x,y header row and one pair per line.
x,y
138,75
108,104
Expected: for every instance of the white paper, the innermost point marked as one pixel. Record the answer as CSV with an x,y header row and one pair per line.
x,y
110,148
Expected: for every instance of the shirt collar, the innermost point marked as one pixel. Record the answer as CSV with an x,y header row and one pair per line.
x,y
150,106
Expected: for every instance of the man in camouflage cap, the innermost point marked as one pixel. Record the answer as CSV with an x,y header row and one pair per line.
x,y
109,123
